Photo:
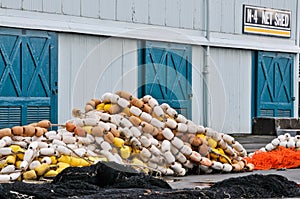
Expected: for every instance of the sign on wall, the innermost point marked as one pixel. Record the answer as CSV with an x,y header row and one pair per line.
x,y
266,21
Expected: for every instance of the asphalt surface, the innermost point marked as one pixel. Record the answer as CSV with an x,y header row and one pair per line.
x,y
206,180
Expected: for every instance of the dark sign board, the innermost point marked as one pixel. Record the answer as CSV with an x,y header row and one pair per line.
x,y
266,21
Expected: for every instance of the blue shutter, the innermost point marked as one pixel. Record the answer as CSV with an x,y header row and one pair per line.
x,y
166,75
274,80
28,76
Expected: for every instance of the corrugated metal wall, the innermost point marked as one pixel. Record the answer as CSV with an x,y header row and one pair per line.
x,y
174,13
89,66
160,20
225,15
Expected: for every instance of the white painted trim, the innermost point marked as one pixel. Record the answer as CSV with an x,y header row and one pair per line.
x,y
93,26
74,24
251,42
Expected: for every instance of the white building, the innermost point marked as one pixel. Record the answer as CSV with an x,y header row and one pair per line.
x,y
58,54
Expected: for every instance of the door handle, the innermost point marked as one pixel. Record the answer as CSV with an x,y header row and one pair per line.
x,y
54,91
293,98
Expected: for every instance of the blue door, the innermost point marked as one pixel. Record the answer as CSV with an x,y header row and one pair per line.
x,y
166,75
28,76
274,85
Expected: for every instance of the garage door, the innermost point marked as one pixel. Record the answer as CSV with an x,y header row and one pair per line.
x,y
166,73
28,76
274,85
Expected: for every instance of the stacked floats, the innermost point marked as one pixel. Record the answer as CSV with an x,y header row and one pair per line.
x,y
31,152
156,136
123,129
285,140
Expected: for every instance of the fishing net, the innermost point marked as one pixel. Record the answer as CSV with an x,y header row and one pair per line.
x,y
113,181
110,175
254,186
278,158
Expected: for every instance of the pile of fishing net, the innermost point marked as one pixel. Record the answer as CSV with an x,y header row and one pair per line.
x,y
282,152
254,186
111,180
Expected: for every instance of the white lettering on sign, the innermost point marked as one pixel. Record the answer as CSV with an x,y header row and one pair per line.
x,y
255,16
249,15
281,20
267,17
266,21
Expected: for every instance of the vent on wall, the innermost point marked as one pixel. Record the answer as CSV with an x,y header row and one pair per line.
x,y
266,112
283,113
10,116
37,113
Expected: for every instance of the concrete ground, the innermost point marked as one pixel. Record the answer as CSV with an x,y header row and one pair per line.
x,y
205,180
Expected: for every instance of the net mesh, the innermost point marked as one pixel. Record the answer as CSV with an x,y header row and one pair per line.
x,y
278,158
123,182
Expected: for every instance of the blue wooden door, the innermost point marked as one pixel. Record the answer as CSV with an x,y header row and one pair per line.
x,y
274,85
166,75
28,76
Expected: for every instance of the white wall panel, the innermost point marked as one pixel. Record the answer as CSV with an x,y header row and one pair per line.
x,y
118,65
52,6
140,14
186,14
89,69
34,5
113,69
255,2
268,4
230,90
238,18
287,5
215,12
179,13
130,67
157,12
64,76
172,13
199,14
292,5
108,9
277,4
77,78
228,16
89,66
90,8
72,72
124,10
15,4
197,84
71,7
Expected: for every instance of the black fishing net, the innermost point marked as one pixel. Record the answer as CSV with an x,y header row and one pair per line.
x,y
254,186
111,180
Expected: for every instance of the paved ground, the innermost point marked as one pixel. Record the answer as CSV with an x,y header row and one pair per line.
x,y
205,180
253,142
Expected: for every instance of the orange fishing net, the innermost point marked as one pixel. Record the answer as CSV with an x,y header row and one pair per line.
x,y
278,158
